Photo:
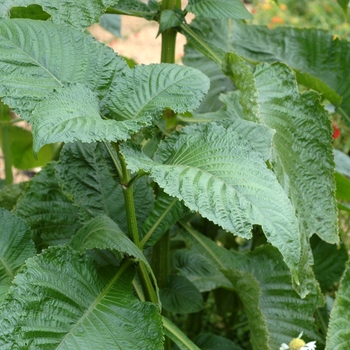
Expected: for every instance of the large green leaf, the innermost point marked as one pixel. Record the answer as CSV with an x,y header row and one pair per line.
x,y
180,296
275,311
47,210
218,9
147,90
303,155
321,61
217,173
103,233
338,336
49,56
59,301
72,114
77,14
87,172
16,245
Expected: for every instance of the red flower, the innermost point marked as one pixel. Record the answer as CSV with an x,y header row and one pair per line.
x,y
336,132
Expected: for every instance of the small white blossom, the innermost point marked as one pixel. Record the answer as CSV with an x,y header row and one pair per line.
x,y
299,344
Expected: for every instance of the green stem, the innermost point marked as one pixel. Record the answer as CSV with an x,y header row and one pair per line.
x,y
133,13
5,126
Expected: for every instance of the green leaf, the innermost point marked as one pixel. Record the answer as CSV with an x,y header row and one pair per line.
x,y
219,83
47,210
148,90
209,341
218,9
343,187
31,11
165,213
180,296
79,15
112,23
177,336
72,114
338,336
313,53
303,155
329,262
9,194
137,8
60,56
22,150
169,19
87,172
215,172
87,311
103,233
241,74
342,163
275,311
199,270
344,4
16,246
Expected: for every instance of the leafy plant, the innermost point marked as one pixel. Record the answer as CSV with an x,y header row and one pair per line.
x,y
182,193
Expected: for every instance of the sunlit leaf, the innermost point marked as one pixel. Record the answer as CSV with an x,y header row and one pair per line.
x,y
59,301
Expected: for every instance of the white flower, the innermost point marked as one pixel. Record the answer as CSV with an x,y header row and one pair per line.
x,y
299,344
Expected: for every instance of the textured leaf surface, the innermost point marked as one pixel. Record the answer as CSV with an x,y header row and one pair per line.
x,y
137,7
47,210
166,211
79,14
9,194
147,90
218,174
312,52
49,56
180,296
304,157
338,336
87,172
103,233
275,311
218,9
59,301
72,114
16,245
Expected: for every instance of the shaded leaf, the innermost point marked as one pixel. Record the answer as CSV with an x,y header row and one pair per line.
x,y
49,56
177,336
31,11
79,15
47,210
329,262
72,114
344,4
9,194
103,233
207,341
87,172
169,19
165,213
137,8
148,90
342,163
218,9
16,246
180,296
338,336
343,187
87,311
218,174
